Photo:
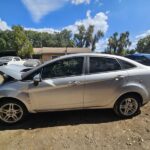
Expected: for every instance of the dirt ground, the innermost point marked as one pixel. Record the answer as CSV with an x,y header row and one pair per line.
x,y
78,130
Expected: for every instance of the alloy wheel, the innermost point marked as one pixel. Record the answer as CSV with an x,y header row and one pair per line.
x,y
11,113
128,106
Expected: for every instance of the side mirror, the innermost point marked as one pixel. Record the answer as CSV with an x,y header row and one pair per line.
x,y
37,79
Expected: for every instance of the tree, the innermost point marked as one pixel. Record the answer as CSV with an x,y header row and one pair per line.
x,y
26,50
80,37
87,38
34,38
123,43
143,45
132,51
56,39
2,44
6,40
96,38
113,43
64,39
118,44
21,42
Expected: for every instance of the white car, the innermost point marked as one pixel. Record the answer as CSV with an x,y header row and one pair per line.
x,y
11,60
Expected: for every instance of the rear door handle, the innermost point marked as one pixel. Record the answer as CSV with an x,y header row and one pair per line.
x,y
74,83
119,77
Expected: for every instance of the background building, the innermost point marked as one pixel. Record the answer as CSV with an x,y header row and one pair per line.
x,y
48,53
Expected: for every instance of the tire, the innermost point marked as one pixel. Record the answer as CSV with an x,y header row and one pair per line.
x,y
128,106
12,112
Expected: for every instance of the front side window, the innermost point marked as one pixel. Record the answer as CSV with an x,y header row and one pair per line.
x,y
101,64
64,68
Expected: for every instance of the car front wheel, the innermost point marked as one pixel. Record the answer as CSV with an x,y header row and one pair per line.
x,y
11,112
127,106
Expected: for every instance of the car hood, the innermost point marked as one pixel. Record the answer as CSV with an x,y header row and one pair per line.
x,y
11,72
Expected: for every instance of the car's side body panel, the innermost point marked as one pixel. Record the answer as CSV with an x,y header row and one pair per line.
x,y
102,89
61,93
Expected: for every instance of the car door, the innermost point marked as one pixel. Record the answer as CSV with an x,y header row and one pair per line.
x,y
103,81
61,87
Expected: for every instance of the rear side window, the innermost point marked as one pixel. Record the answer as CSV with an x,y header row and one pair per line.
x,y
101,64
125,64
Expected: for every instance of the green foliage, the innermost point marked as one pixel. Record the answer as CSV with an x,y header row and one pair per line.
x,y
143,45
2,43
21,43
6,40
118,44
62,39
26,51
22,40
80,37
132,51
87,38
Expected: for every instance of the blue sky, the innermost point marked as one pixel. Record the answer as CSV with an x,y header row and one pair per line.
x,y
107,15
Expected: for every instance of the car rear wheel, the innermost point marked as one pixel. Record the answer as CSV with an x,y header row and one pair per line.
x,y
12,112
127,106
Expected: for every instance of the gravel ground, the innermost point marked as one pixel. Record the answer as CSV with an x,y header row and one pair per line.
x,y
78,130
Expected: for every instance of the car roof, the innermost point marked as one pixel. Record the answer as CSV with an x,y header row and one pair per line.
x,y
97,55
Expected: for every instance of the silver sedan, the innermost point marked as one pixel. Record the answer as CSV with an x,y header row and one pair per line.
x,y
72,82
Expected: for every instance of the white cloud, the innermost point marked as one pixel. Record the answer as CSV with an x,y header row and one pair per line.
x,y
3,25
99,21
40,8
77,2
99,2
146,33
48,30
101,45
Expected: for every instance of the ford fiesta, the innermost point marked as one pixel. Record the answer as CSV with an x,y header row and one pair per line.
x,y
72,82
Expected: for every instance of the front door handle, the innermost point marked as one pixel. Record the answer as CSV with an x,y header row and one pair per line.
x,y
119,77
